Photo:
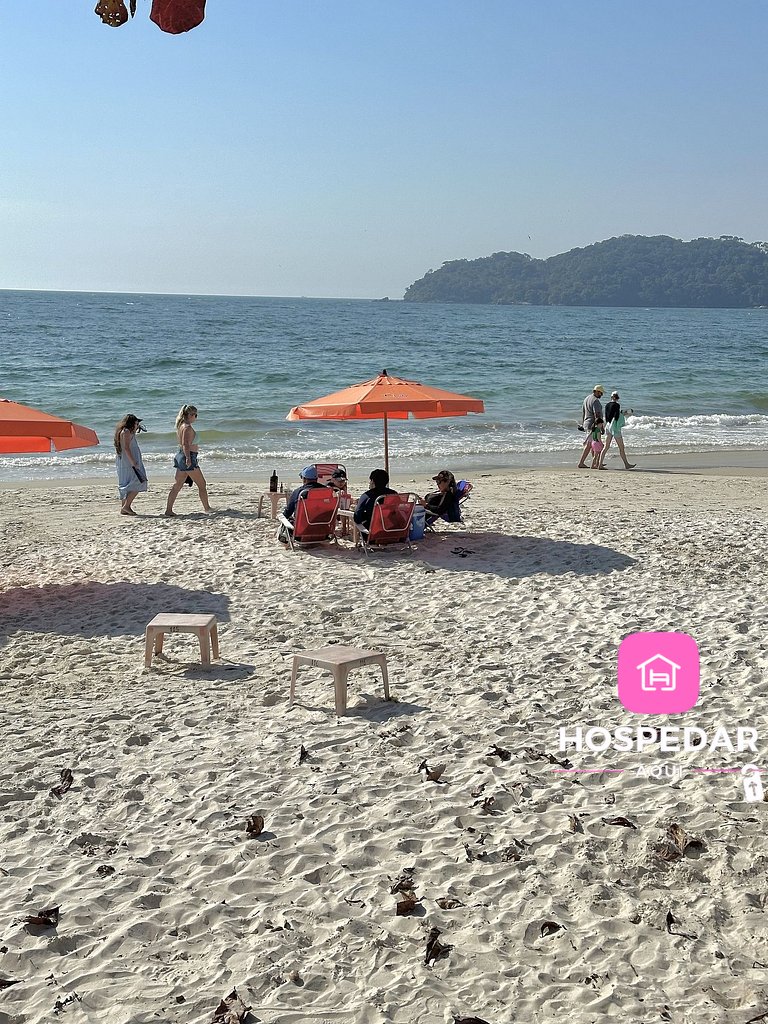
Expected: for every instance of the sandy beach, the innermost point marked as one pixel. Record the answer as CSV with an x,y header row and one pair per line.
x,y
565,896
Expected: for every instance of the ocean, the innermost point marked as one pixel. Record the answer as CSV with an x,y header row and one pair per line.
x,y
695,378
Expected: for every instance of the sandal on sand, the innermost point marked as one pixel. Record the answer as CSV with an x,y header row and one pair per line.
x,y
462,552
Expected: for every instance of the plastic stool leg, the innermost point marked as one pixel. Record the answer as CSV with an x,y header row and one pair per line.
x,y
294,670
205,647
340,689
385,677
148,641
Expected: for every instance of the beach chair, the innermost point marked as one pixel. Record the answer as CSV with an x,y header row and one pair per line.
x,y
390,522
454,513
314,521
326,470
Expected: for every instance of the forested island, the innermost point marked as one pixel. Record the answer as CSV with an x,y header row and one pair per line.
x,y
632,270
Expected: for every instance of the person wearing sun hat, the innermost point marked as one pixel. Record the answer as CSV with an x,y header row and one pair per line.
x,y
591,411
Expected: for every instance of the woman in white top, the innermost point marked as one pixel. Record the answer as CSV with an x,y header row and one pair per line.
x,y
185,459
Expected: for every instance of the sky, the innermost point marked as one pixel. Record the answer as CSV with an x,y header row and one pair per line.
x,y
342,149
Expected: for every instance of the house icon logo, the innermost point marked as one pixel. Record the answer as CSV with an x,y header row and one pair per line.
x,y
658,673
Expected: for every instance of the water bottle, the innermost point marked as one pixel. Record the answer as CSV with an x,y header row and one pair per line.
x,y
273,481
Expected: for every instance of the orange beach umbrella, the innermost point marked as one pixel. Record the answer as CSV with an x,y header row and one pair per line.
x,y
23,429
386,398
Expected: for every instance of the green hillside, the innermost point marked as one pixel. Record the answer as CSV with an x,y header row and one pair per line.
x,y
632,270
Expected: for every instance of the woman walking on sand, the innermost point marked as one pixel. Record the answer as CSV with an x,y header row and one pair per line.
x,y
131,475
185,459
615,420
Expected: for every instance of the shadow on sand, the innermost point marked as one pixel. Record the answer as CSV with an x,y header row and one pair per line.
x,y
493,553
100,609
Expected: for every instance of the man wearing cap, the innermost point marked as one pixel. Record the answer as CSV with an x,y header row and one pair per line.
x,y
591,411
309,482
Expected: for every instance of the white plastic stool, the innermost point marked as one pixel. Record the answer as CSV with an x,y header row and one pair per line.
x,y
204,626
338,661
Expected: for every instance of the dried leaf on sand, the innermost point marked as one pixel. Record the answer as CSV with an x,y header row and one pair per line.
x,y
435,948
66,781
468,1020
550,928
448,903
105,870
44,918
620,820
408,902
254,825
7,982
303,754
404,882
497,751
676,843
431,774
575,824
231,1010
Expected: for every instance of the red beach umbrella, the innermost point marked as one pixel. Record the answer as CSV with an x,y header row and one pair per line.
x,y
385,398
23,429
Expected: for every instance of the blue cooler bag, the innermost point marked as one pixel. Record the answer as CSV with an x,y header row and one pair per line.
x,y
418,523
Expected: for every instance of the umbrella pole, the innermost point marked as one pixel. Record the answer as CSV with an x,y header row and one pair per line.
x,y
386,444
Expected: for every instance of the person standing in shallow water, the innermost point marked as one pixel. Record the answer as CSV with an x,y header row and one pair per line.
x,y
131,475
186,459
591,410
615,419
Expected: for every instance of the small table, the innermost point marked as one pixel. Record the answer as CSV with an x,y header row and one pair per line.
x,y
275,497
346,517
338,661
203,625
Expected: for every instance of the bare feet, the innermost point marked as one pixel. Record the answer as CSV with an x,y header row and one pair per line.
x,y
581,466
629,465
169,514
127,512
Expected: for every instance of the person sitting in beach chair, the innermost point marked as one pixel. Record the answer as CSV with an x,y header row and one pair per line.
x,y
445,503
379,481
314,520
332,474
390,522
309,482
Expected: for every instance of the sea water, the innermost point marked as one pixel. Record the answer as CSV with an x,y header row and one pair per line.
x,y
696,378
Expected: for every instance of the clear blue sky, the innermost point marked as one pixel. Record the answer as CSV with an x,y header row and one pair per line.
x,y
338,148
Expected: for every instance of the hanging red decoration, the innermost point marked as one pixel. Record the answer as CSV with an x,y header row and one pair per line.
x,y
176,16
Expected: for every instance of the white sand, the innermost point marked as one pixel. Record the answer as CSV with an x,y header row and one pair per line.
x,y
500,646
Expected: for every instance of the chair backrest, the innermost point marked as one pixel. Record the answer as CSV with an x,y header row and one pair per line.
x,y
391,519
464,489
315,517
325,471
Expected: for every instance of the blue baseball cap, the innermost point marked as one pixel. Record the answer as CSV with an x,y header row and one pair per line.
x,y
308,473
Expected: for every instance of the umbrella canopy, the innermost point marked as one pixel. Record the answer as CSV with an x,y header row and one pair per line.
x,y
23,429
385,398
